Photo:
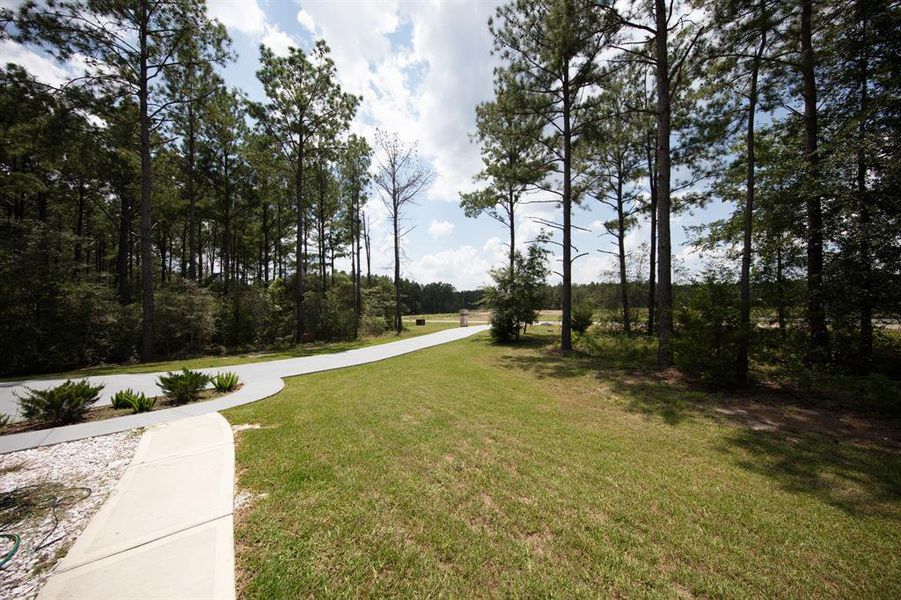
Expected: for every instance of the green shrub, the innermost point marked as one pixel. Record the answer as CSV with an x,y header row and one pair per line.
x,y
122,399
4,420
185,316
707,337
244,318
378,309
184,386
514,299
139,403
372,326
225,382
336,314
581,318
63,404
504,324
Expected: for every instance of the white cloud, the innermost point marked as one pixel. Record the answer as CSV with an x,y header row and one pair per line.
x,y
454,41
277,39
43,68
464,267
245,16
440,229
357,34
496,251
306,20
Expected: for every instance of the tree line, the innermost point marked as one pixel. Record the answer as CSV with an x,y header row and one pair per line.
x,y
789,110
152,210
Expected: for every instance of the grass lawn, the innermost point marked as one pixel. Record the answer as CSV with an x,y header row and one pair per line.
x,y
473,470
205,362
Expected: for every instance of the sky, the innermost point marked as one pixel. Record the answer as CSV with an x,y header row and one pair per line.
x,y
421,68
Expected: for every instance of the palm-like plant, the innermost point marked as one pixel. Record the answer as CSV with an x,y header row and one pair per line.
x,y
184,386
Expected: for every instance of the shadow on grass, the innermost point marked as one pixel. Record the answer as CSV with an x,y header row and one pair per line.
x,y
860,480
847,460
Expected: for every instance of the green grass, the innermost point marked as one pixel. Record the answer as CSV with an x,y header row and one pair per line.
x,y
474,470
204,362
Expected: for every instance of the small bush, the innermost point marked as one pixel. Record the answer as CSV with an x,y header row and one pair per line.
x,y
373,326
581,318
707,338
225,382
504,326
184,386
64,404
139,403
122,399
133,401
4,420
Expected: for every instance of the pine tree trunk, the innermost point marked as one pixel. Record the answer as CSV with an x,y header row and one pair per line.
x,y
192,199
299,324
146,223
566,335
226,226
664,253
621,250
780,293
866,300
652,259
511,208
265,256
816,311
744,339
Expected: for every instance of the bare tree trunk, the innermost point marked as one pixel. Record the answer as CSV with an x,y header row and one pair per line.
x,y
816,311
355,260
398,323
367,241
664,253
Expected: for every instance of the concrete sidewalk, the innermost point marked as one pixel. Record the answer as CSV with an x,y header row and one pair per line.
x,y
166,530
261,380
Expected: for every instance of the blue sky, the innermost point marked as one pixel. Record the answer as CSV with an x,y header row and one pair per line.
x,y
421,68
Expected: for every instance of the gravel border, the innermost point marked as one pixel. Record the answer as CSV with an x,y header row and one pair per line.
x,y
79,475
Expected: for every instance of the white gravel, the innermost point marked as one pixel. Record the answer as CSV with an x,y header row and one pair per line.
x,y
77,477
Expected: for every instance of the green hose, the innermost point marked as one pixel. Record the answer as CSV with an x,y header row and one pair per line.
x,y
15,540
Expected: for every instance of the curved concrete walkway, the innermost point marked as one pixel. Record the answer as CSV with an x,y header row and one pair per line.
x,y
166,530
260,380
